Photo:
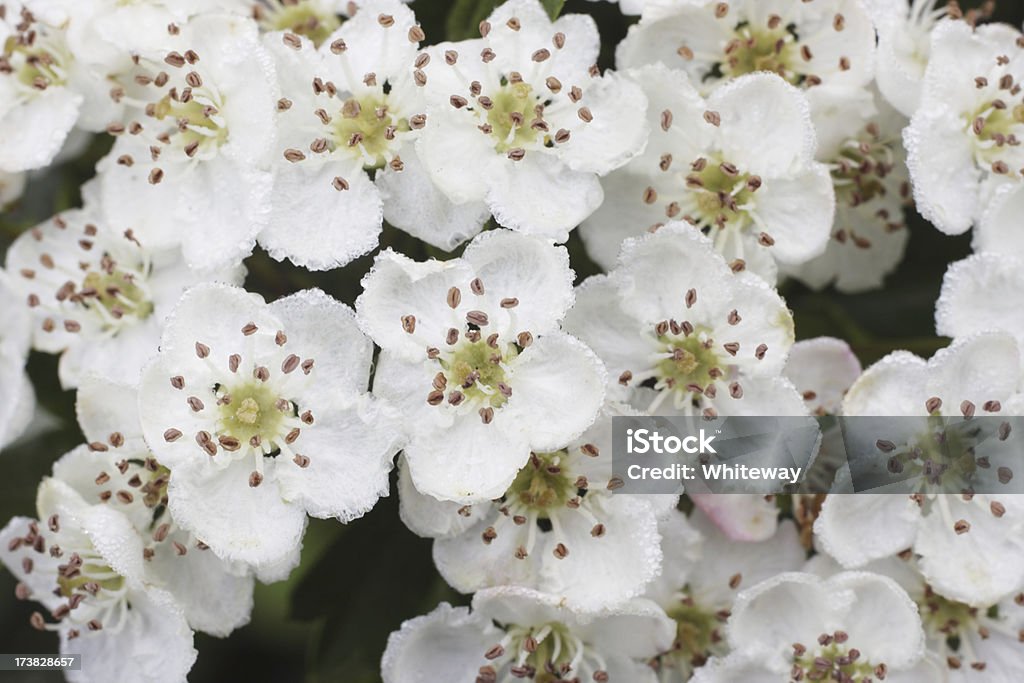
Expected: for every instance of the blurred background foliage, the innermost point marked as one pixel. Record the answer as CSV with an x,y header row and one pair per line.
x,y
330,621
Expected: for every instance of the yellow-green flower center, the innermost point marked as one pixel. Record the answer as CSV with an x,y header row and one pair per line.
x,y
510,115
252,411
367,127
118,293
476,369
721,191
301,17
543,484
768,49
33,66
688,362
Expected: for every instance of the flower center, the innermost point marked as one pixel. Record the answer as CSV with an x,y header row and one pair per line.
x,y
833,660
997,127
721,192
117,292
689,362
476,372
945,618
252,412
698,633
301,17
544,654
35,62
367,128
514,116
196,119
860,170
761,49
543,484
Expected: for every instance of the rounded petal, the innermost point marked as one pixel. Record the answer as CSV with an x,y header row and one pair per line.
x,y
822,369
447,645
797,212
858,528
429,517
316,226
32,134
238,522
559,376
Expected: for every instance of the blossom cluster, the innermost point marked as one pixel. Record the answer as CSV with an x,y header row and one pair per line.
x,y
735,147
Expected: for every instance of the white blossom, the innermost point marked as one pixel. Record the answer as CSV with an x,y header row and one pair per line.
x,y
522,120
84,564
963,142
45,89
473,358
859,138
738,165
97,295
17,398
703,573
260,413
972,643
713,341
347,157
852,626
190,166
823,370
970,546
904,47
826,43
558,528
979,293
513,633
116,468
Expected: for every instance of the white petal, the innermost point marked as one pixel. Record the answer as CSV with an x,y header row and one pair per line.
x,y
541,196
766,124
325,330
154,645
429,517
797,212
350,452
741,517
978,293
943,170
556,376
893,386
413,203
316,226
622,215
999,229
978,368
32,134
458,157
446,645
858,528
618,131
237,521
824,366
104,407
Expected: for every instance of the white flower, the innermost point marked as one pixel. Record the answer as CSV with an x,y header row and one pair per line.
x,y
84,564
260,413
702,574
45,91
17,398
979,293
823,370
117,468
522,120
828,43
672,312
738,165
346,154
189,167
970,547
514,633
973,642
964,141
558,528
473,357
796,626
316,20
98,296
12,185
859,138
904,47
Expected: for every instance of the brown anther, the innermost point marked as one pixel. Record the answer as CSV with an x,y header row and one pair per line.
x,y
961,526
713,117
560,551
409,323
170,436
255,479
933,405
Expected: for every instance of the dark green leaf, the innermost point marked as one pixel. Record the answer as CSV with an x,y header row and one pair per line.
x,y
465,17
553,7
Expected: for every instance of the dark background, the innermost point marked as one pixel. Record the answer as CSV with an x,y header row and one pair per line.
x,y
357,583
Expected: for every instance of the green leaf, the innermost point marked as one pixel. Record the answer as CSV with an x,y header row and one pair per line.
x,y
553,7
465,17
